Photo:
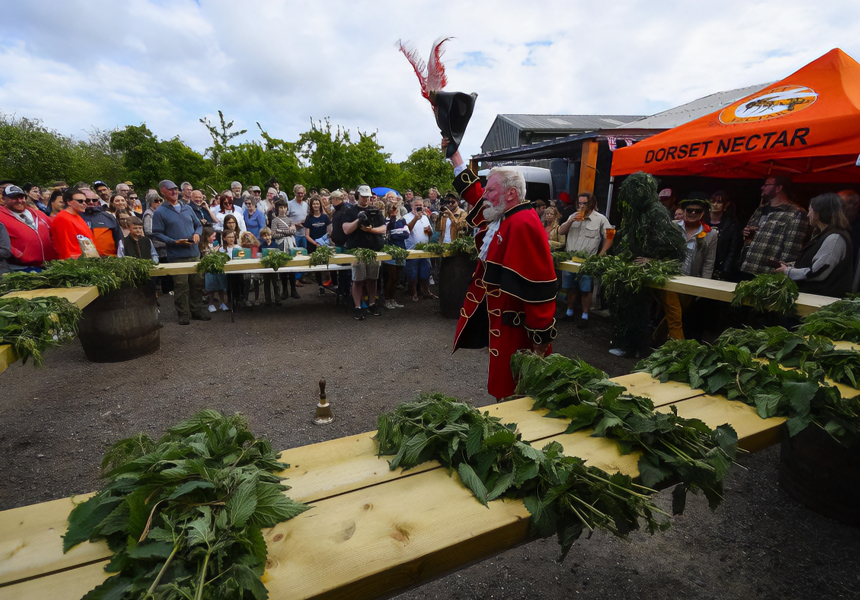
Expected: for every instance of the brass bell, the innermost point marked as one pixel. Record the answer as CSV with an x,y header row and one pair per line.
x,y
323,415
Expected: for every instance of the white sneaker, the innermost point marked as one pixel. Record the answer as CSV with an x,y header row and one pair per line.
x,y
395,304
224,307
617,352
212,308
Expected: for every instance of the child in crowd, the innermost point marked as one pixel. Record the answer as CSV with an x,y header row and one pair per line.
x,y
235,283
271,281
249,240
136,243
215,283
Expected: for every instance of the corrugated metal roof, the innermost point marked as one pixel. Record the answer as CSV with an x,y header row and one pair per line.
x,y
692,110
569,123
509,131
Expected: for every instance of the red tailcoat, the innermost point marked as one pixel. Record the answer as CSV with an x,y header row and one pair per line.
x,y
510,304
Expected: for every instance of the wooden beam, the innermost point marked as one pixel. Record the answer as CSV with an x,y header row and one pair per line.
x,y
588,166
715,289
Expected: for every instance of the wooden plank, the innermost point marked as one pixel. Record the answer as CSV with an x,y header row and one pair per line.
x,y
317,471
32,540
7,357
754,433
724,291
245,264
71,584
380,539
642,384
588,166
80,296
349,465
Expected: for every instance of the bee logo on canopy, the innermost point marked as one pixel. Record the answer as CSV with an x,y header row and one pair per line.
x,y
769,104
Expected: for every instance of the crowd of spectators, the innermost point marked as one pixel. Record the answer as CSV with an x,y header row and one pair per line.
x,y
180,224
174,223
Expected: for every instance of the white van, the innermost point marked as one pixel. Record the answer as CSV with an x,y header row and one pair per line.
x,y
538,181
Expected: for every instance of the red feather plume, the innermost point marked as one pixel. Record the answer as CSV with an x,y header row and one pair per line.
x,y
431,77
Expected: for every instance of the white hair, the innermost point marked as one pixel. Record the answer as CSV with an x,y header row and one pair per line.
x,y
509,178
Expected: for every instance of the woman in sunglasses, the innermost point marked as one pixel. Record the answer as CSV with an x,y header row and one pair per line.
x,y
698,261
226,208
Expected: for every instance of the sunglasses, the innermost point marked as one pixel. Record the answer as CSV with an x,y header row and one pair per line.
x,y
694,211
91,201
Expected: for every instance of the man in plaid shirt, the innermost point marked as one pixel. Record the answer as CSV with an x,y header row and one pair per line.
x,y
775,231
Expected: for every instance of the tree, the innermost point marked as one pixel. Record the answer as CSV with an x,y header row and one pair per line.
x,y
426,168
31,152
221,136
140,154
94,159
333,159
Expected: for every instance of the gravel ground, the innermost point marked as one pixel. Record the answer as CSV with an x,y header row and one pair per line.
x,y
58,420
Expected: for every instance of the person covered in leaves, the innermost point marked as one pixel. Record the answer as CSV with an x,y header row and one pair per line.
x,y
646,232
510,304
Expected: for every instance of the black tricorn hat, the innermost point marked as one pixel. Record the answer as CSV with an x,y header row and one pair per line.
x,y
453,111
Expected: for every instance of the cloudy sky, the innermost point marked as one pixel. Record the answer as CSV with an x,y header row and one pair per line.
x,y
79,65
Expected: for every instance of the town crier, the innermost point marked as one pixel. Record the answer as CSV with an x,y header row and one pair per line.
x,y
510,304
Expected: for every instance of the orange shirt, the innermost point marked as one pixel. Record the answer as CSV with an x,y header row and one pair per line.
x,y
65,229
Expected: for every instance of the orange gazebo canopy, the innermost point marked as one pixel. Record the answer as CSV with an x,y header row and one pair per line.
x,y
806,126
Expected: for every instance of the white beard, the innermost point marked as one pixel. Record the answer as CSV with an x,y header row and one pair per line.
x,y
493,213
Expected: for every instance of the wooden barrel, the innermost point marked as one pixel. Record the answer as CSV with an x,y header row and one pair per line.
x,y
120,326
822,474
455,274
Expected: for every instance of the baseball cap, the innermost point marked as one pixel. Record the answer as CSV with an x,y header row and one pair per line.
x,y
665,193
12,191
166,183
364,190
254,188
98,183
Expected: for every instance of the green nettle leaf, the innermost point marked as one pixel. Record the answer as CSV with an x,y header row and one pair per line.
x,y
85,517
273,506
414,447
242,503
473,482
798,423
190,486
199,532
800,394
767,405
502,485
497,460
650,471
151,550
529,451
183,514
580,415
671,447
780,373
538,513
474,441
